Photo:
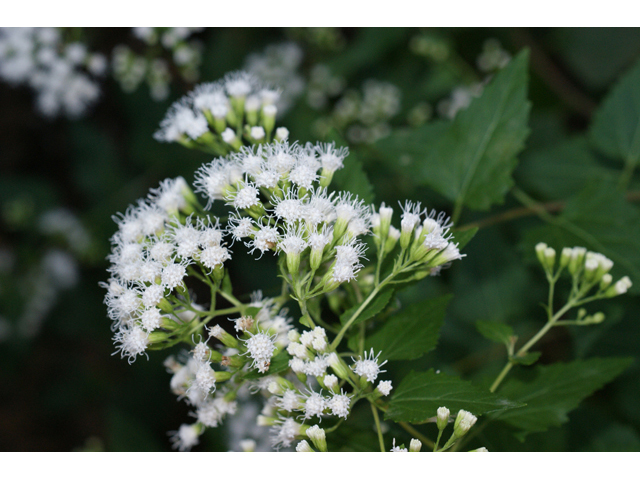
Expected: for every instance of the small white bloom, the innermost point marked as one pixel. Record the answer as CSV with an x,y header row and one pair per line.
x,y
186,438
339,405
384,387
368,367
260,348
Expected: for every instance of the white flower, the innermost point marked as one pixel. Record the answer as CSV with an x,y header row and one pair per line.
x,y
213,256
169,196
264,239
245,197
151,319
172,275
368,367
290,401
131,342
303,446
314,405
384,387
283,433
339,405
187,437
152,295
397,449
206,378
260,348
331,158
257,133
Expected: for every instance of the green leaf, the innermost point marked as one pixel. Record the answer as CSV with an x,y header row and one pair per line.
x,y
526,359
495,331
352,177
463,237
601,220
420,394
376,306
556,390
470,160
279,363
616,125
562,170
412,332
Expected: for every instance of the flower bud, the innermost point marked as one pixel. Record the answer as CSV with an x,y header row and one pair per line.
x,y
248,445
442,418
304,446
227,339
540,248
464,421
338,366
415,445
577,257
481,449
606,281
565,257
549,258
619,288
318,437
282,133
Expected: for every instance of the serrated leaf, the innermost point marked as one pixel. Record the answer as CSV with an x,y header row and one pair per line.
x,y
352,177
495,331
599,219
556,390
616,125
279,363
562,170
470,160
412,332
375,306
463,237
526,359
420,394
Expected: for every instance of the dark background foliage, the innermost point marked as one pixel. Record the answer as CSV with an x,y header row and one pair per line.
x,y
62,389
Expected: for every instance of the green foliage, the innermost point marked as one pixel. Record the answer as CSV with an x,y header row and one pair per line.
x,y
420,394
563,169
616,125
556,390
412,332
495,331
599,219
375,307
470,160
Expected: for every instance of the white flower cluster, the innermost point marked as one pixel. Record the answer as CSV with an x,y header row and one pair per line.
x,y
460,99
323,85
131,69
278,65
365,116
298,216
150,254
238,100
62,75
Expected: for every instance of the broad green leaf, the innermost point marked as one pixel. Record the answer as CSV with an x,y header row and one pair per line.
x,y
463,237
526,359
495,331
420,394
279,363
562,170
352,177
470,160
373,308
599,219
616,125
556,390
412,332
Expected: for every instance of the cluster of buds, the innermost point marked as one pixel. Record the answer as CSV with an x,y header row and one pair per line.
x,y
587,269
220,117
462,424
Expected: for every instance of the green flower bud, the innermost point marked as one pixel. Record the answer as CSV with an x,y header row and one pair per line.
x,y
442,418
464,421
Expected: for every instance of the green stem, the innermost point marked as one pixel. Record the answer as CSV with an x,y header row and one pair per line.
x,y
357,313
435,447
376,418
409,429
